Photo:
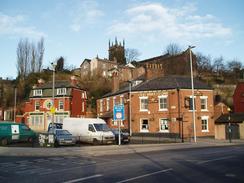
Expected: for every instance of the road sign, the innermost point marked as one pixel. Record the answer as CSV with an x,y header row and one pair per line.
x,y
119,112
53,109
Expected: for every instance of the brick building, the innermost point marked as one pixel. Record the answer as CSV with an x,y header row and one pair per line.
x,y
238,98
70,101
161,106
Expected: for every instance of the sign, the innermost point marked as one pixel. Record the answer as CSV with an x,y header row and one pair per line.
x,y
48,104
52,110
119,112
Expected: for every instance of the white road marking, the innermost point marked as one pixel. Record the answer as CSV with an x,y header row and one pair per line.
x,y
146,175
84,178
217,159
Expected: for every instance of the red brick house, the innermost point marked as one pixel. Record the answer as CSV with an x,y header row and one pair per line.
x,y
162,106
238,98
69,101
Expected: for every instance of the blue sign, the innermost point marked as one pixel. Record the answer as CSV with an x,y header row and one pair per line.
x,y
119,112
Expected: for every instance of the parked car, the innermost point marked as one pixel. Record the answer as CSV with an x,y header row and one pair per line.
x,y
55,125
124,136
89,130
63,137
15,132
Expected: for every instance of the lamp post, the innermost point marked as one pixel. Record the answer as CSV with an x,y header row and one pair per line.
x,y
193,99
229,125
53,97
130,107
15,102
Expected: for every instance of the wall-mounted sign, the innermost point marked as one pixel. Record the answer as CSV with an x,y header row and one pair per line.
x,y
48,104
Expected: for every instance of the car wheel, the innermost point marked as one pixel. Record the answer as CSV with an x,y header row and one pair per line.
x,y
95,142
4,142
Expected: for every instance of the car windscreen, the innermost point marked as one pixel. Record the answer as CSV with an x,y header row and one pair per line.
x,y
101,127
62,132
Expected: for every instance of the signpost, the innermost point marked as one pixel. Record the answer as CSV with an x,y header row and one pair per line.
x,y
119,115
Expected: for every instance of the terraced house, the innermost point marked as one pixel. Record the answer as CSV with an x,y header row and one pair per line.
x,y
69,101
162,106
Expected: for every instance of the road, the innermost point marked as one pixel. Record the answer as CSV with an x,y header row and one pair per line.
x,y
205,164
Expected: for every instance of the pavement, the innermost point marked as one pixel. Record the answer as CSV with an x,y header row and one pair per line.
x,y
112,149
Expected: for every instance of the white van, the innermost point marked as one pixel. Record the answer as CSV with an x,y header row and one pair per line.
x,y
89,130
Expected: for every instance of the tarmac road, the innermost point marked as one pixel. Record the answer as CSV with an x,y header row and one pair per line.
x,y
145,163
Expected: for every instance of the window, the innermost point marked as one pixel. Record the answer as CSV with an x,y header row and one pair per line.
x,y
37,93
83,106
191,103
61,105
114,101
61,91
122,99
108,107
163,102
101,105
204,103
60,118
36,120
143,103
144,125
163,125
37,105
204,123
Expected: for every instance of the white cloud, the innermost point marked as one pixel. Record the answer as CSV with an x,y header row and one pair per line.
x,y
14,26
159,22
85,12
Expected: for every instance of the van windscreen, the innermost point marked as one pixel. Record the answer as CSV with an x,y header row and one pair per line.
x,y
101,127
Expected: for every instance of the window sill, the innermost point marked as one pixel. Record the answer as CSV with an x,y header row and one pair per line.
x,y
163,110
144,131
143,110
204,110
164,131
204,131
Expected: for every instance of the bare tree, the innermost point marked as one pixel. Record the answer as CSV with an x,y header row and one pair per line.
x,y
39,54
218,65
173,49
33,58
234,65
204,63
131,55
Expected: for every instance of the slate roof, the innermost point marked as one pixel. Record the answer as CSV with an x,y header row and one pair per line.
x,y
164,83
234,118
58,84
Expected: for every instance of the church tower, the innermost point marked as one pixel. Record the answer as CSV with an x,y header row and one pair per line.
x,y
116,52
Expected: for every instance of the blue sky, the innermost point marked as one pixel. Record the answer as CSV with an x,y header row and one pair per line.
x,y
79,29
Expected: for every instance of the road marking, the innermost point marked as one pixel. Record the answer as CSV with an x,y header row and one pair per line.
x,y
84,178
217,159
146,175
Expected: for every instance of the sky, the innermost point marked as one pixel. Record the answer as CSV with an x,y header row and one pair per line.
x,y
79,29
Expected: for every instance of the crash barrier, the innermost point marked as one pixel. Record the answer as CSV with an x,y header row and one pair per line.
x,y
46,139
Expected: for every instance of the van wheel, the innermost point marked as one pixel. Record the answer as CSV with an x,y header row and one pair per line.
x,y
4,142
95,142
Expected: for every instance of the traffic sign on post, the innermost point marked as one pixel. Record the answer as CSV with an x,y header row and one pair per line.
x,y
119,112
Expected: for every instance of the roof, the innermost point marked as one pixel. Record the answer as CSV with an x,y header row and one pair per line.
x,y
58,84
164,83
232,117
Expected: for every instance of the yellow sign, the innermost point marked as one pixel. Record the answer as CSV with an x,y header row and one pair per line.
x,y
53,109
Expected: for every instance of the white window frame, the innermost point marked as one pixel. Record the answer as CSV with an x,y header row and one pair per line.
x,y
101,105
59,104
160,125
159,103
61,91
121,99
83,106
37,92
143,98
108,104
37,102
37,120
195,104
204,118
141,129
205,98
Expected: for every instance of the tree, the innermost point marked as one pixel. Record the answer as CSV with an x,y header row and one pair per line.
x,y
60,64
203,63
29,57
218,65
172,49
131,55
234,65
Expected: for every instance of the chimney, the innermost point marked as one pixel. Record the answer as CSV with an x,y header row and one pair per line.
x,y
153,71
115,81
73,80
40,82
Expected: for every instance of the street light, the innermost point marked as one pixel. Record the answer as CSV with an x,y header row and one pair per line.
x,y
54,67
130,107
193,100
15,102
